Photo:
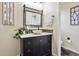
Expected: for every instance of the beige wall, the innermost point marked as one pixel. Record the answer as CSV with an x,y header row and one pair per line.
x,y
52,9
68,30
8,45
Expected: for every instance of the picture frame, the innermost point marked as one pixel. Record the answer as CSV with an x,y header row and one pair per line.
x,y
8,13
74,15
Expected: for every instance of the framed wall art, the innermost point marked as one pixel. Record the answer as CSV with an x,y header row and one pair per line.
x,y
8,13
74,15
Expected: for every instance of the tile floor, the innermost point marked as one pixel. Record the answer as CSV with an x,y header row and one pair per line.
x,y
65,52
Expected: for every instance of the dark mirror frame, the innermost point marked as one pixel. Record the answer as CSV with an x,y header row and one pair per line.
x,y
27,9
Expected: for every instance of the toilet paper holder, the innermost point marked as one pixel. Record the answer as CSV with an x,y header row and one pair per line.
x,y
68,38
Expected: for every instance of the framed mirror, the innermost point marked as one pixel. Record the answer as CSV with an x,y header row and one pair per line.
x,y
32,17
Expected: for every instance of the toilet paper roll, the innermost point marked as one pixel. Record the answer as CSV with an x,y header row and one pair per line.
x,y
69,41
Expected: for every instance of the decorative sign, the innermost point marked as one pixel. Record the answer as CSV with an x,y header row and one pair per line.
x,y
8,13
74,15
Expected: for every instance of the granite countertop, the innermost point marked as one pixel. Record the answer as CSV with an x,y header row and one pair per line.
x,y
35,35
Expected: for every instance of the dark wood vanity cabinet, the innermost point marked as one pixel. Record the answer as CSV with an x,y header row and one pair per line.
x,y
36,46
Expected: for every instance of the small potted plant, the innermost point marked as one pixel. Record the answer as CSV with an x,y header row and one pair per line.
x,y
21,31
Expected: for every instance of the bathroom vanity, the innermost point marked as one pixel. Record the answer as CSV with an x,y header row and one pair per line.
x,y
36,44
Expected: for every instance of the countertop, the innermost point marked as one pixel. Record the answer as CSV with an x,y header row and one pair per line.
x,y
35,35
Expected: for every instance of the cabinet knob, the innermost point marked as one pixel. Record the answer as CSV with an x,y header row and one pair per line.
x,y
28,50
48,50
29,42
40,40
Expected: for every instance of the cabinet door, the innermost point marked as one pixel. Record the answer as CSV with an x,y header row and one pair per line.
x,y
36,46
27,47
45,45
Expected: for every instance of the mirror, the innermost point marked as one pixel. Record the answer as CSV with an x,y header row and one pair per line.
x,y
32,17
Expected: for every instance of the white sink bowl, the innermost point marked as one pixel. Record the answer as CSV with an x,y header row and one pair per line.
x,y
37,31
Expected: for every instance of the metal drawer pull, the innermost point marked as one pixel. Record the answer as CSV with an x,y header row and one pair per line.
x,y
49,50
40,40
28,50
29,42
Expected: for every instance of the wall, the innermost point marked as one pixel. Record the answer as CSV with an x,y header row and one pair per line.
x,y
8,45
68,30
37,5
52,9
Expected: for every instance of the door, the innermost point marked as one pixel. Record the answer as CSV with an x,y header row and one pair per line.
x,y
36,44
45,45
27,47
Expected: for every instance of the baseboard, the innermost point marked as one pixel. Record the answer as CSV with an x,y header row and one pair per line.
x,y
18,54
54,54
71,49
